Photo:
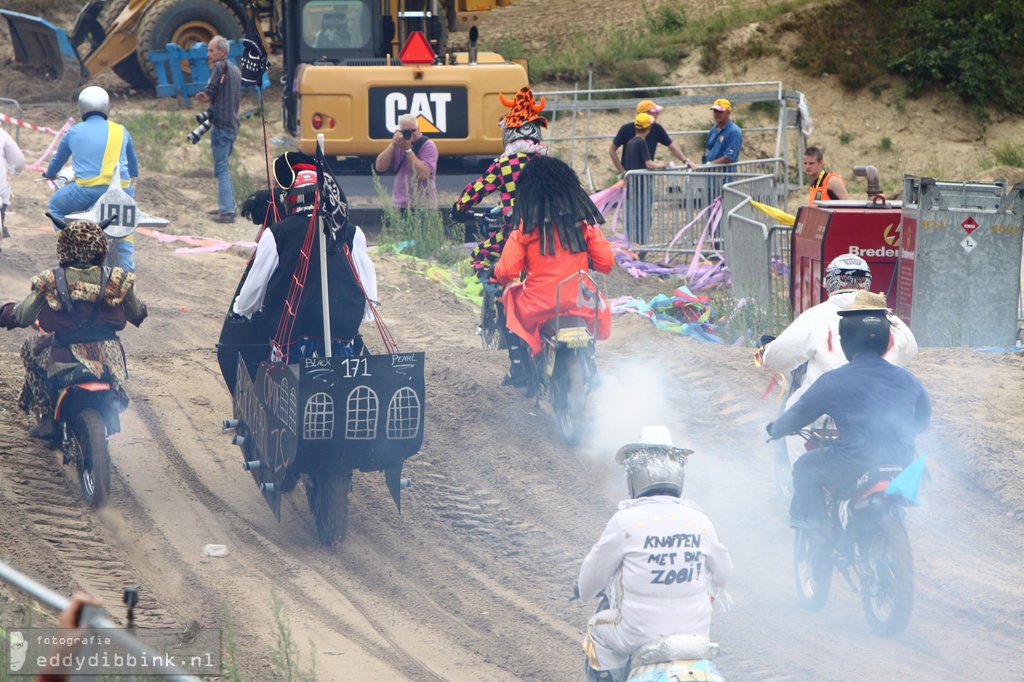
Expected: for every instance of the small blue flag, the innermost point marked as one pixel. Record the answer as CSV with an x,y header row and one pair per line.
x,y
908,483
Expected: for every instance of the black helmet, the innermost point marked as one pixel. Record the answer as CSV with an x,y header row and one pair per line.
x,y
864,327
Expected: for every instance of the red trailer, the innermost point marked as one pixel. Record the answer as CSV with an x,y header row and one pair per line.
x,y
869,229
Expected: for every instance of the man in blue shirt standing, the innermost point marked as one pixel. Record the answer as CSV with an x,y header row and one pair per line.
x,y
725,138
722,148
96,146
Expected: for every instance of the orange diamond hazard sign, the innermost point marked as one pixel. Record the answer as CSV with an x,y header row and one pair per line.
x,y
969,225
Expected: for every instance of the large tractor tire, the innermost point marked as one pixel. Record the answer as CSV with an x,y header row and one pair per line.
x,y
184,23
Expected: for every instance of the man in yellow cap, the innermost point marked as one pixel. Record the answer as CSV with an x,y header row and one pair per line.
x,y
637,156
657,135
725,138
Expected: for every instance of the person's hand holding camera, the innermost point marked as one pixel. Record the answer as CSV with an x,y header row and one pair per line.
x,y
403,139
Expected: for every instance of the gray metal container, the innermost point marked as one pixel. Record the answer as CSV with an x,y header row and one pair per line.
x,y
958,281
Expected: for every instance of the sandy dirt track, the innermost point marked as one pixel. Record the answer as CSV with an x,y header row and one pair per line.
x,y
470,582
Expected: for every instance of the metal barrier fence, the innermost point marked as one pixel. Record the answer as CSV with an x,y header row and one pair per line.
x,y
757,248
572,113
660,204
10,107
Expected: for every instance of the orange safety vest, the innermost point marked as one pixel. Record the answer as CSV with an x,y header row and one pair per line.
x,y
819,188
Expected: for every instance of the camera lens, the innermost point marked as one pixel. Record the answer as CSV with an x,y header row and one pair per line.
x,y
406,133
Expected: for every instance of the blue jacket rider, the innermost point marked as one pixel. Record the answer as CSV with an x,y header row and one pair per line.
x,y
878,409
94,146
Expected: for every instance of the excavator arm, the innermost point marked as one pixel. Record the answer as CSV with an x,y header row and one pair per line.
x,y
123,41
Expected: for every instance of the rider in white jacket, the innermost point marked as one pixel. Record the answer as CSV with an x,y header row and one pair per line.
x,y
813,337
659,559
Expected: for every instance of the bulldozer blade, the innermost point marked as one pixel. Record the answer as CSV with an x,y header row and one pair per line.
x,y
41,45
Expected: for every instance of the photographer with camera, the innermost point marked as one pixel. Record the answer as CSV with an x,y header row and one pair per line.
x,y
410,153
224,92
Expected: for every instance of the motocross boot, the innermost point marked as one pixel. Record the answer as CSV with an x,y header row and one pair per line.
x,y
519,359
45,429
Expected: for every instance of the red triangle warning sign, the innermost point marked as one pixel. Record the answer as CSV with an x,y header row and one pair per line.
x,y
417,50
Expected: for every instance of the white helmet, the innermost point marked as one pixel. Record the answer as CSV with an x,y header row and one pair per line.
x,y
94,99
654,466
847,272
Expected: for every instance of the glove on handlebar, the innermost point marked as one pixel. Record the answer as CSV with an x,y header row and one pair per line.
x,y
765,340
457,216
768,428
7,315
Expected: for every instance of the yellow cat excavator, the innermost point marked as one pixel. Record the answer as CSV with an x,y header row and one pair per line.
x,y
352,67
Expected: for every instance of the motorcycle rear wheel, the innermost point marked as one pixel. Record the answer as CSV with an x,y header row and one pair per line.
x,y
92,460
571,397
887,584
812,568
328,500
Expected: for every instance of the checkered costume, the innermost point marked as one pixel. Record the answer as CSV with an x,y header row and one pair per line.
x,y
500,175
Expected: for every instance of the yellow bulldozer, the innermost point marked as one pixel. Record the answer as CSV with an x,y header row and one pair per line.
x,y
351,67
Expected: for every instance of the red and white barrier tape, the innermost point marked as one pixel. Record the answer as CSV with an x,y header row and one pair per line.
x,y
23,124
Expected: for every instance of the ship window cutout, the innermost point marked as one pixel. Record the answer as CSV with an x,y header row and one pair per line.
x,y
361,414
318,417
404,415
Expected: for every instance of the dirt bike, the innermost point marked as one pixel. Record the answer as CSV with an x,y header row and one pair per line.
x,y
564,370
865,539
674,657
476,226
87,413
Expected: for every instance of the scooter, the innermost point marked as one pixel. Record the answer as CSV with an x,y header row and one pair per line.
x,y
674,657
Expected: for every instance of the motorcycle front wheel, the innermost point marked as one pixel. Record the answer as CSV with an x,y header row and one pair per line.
x,y
571,396
92,460
887,578
812,568
492,323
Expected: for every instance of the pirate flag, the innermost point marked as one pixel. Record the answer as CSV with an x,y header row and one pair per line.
x,y
253,63
333,207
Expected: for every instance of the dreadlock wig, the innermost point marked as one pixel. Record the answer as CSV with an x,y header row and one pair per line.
x,y
550,198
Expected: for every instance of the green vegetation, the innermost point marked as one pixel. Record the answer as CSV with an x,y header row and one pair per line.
x,y
154,132
664,36
1009,154
970,49
845,137
419,233
885,145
